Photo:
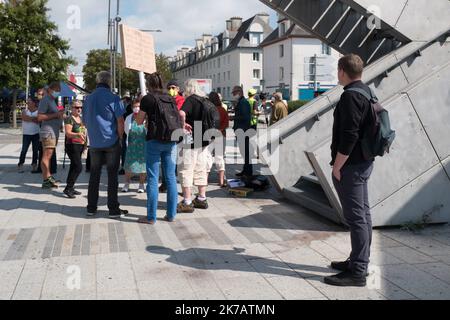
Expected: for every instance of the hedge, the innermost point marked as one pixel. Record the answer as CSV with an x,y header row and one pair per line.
x,y
295,105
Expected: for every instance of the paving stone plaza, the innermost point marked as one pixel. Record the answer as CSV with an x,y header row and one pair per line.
x,y
261,247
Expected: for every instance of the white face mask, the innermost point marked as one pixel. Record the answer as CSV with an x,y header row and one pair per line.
x,y
136,110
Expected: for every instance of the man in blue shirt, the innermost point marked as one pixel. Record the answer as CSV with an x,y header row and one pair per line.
x,y
103,117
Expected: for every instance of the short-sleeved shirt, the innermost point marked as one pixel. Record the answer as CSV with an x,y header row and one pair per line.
x,y
30,128
51,127
76,128
194,113
101,111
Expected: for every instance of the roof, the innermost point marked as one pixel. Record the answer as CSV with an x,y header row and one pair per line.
x,y
294,31
239,40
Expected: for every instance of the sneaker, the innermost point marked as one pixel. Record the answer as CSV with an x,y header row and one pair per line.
x,y
346,279
69,193
185,208
77,193
170,220
141,188
126,188
49,184
198,204
54,181
91,213
20,169
118,215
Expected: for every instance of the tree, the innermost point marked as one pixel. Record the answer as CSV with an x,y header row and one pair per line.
x,y
25,30
163,67
99,60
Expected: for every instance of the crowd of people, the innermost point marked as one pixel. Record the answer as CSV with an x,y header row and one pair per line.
x,y
126,137
163,134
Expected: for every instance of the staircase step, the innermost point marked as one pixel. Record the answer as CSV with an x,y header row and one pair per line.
x,y
312,198
311,178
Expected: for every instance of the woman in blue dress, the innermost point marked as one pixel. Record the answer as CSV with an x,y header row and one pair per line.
x,y
135,163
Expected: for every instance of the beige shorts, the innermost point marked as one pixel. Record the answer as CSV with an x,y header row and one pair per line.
x,y
49,141
193,168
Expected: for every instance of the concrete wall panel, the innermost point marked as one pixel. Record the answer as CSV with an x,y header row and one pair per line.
x,y
431,99
426,195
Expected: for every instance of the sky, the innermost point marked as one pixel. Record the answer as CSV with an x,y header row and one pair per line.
x,y
85,22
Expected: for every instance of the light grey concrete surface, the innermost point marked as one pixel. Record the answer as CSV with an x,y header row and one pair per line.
x,y
260,247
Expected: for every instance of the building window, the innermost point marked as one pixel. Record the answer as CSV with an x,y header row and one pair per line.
x,y
214,63
229,59
256,74
326,49
282,29
281,73
224,77
229,75
218,77
256,38
256,56
281,50
218,63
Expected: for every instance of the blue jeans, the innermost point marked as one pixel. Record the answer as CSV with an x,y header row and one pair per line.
x,y
167,153
26,141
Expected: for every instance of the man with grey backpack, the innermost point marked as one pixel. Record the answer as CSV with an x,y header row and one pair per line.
x,y
361,132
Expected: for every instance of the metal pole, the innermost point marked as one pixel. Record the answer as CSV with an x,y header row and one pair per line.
x,y
315,73
27,91
142,83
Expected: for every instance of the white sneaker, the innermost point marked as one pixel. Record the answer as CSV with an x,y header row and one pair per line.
x,y
126,188
141,188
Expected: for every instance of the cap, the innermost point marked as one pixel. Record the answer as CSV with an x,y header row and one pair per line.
x,y
252,92
173,83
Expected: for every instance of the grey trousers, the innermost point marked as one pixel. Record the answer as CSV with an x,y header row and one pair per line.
x,y
354,196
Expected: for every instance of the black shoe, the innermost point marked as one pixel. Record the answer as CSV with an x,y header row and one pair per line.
x,y
69,193
118,215
346,279
240,174
77,193
122,172
341,266
162,189
91,212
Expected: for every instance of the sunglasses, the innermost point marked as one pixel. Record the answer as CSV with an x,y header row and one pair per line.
x,y
77,108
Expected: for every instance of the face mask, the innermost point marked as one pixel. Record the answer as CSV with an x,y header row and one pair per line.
x,y
172,92
56,94
136,110
236,97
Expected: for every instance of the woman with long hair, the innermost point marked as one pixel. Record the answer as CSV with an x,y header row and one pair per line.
x,y
159,148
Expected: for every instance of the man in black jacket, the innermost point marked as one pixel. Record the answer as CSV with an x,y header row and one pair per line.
x,y
242,123
351,171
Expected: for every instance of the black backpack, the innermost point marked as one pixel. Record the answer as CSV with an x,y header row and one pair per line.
x,y
210,114
378,139
166,119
